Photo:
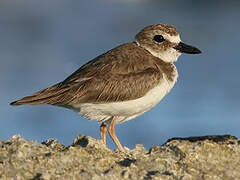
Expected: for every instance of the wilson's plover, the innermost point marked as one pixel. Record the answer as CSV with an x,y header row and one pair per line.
x,y
122,83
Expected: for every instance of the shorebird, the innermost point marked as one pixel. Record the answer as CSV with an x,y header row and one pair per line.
x,y
122,83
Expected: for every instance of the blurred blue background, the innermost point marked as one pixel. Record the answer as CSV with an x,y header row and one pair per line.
x,y
42,42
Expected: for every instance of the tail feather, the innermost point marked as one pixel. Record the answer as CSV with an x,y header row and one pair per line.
x,y
31,100
45,96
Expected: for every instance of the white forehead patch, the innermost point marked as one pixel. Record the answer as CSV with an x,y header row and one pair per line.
x,y
173,39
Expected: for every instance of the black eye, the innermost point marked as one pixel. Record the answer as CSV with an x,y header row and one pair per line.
x,y
158,38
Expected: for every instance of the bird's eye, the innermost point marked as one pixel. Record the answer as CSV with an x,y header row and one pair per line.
x,y
158,38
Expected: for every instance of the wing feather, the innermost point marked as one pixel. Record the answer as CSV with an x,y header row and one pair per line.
x,y
124,73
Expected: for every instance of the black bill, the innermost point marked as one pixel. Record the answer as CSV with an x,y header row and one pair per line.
x,y
184,48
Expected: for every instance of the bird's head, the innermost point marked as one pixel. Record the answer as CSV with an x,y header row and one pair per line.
x,y
163,41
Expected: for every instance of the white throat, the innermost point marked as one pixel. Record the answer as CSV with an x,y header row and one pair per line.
x,y
170,55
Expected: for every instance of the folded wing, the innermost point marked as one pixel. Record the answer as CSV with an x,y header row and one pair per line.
x,y
111,77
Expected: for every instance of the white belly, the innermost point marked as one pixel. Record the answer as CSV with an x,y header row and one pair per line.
x,y
125,110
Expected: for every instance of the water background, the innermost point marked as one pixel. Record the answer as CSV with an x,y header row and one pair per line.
x,y
42,42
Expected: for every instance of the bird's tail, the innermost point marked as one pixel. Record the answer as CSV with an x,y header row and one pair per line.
x,y
45,96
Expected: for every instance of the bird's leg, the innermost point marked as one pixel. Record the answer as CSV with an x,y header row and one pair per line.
x,y
103,130
112,134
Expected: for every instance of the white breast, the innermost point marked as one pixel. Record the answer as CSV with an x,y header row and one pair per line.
x,y
125,110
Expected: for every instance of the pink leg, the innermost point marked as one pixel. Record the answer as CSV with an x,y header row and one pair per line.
x,y
112,134
103,130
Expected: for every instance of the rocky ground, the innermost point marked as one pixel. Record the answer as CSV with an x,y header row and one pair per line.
x,y
209,157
